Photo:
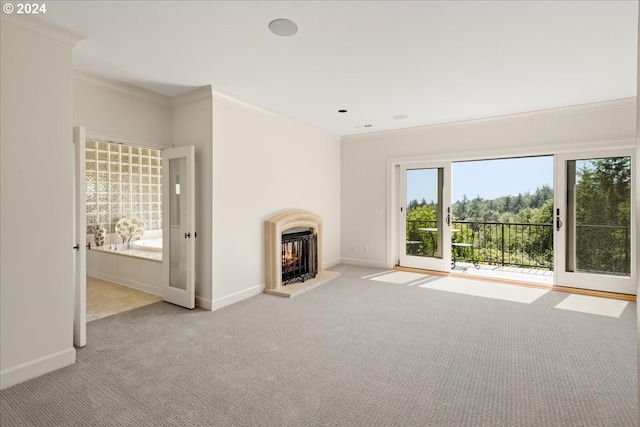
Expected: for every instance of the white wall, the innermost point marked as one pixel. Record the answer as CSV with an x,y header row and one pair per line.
x,y
365,158
264,163
117,109
36,293
193,125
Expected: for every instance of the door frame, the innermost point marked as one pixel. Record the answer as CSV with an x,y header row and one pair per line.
x,y
550,149
82,134
625,285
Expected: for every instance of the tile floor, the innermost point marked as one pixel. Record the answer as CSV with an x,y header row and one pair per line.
x,y
106,298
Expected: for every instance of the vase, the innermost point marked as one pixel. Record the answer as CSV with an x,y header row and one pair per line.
x,y
100,235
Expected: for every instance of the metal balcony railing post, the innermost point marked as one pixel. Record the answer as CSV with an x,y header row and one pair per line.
x,y
502,243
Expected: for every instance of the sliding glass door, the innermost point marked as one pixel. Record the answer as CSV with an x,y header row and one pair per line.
x,y
425,216
595,221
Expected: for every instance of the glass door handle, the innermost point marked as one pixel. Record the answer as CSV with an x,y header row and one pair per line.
x,y
558,223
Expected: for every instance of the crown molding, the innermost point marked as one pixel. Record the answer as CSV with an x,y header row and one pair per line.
x,y
192,96
250,106
125,88
548,149
137,142
615,104
42,28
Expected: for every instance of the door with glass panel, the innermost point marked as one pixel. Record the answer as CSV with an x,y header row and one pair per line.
x,y
425,216
178,222
80,271
595,221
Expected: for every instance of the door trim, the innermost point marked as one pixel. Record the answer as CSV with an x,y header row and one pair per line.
x,y
80,292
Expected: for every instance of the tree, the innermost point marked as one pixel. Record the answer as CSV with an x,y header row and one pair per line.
x,y
603,207
420,242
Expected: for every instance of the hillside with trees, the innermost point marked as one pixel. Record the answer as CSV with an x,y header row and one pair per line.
x,y
536,208
508,230
523,208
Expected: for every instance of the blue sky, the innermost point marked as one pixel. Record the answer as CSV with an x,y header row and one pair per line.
x,y
487,178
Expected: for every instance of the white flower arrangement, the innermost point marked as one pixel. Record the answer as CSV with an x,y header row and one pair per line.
x,y
127,228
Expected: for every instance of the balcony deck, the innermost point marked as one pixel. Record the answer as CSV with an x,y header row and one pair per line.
x,y
521,252
520,274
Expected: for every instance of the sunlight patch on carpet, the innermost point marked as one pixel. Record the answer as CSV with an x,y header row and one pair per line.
x,y
399,277
593,305
498,291
377,274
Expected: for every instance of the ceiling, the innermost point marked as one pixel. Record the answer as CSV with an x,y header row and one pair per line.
x,y
432,61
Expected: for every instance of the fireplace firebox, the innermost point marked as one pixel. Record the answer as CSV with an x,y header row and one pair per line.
x,y
299,256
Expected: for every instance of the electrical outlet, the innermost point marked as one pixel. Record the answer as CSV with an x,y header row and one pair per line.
x,y
353,248
366,249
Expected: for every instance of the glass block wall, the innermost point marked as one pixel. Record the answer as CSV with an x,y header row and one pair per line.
x,y
122,182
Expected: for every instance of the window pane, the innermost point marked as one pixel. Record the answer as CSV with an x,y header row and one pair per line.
x,y
599,216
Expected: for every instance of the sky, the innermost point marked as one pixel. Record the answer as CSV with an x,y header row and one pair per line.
x,y
487,178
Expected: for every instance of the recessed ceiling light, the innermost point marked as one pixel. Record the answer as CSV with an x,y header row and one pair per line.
x,y
283,27
342,111
400,117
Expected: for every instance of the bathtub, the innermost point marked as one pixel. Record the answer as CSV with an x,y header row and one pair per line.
x,y
136,268
152,245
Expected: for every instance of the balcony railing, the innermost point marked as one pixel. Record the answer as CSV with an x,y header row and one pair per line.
x,y
603,249
489,243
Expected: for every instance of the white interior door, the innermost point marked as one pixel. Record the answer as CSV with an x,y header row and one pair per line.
x,y
424,232
80,307
178,222
595,243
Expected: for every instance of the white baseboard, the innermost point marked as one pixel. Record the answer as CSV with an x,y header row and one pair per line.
x,y
204,303
35,368
133,284
364,263
331,263
219,303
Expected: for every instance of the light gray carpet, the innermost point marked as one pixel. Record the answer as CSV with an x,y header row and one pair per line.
x,y
352,352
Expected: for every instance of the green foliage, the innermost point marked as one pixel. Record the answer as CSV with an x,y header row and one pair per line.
x,y
603,215
526,208
421,215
